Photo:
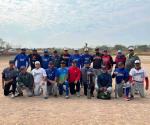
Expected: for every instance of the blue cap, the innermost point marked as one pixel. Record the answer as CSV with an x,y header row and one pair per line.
x,y
86,62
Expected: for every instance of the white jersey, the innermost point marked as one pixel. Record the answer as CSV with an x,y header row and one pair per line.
x,y
38,75
138,75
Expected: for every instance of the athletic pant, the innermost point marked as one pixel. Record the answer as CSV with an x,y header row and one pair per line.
x,y
64,88
7,88
72,87
118,90
52,89
91,87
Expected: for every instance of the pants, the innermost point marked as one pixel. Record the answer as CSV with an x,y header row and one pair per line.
x,y
91,87
52,89
118,90
28,90
139,87
38,86
7,88
64,88
97,71
72,88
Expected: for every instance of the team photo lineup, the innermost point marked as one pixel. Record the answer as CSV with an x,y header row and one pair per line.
x,y
67,74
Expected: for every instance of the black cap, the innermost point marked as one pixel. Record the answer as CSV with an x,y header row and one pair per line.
x,y
11,62
23,49
63,62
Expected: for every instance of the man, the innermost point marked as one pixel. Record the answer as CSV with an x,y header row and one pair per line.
x,y
39,76
122,76
120,57
74,75
86,57
137,77
104,84
51,79
34,57
25,82
131,57
107,60
61,77
65,57
46,58
76,56
9,75
88,78
56,59
22,59
97,61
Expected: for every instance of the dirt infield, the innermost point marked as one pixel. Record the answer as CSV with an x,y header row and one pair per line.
x,y
74,111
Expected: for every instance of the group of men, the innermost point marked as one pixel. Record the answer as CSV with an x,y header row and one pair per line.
x,y
65,74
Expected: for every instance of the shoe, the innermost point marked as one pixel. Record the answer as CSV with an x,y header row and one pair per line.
x,y
12,96
78,94
131,97
127,98
45,97
67,97
19,94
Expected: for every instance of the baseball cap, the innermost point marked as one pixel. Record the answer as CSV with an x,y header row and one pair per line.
x,y
76,49
137,61
86,62
37,62
22,67
86,49
65,49
131,48
63,62
23,49
119,51
96,49
45,51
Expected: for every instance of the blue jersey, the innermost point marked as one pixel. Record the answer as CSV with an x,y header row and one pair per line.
x,y
21,60
62,74
86,57
51,73
45,61
121,74
76,57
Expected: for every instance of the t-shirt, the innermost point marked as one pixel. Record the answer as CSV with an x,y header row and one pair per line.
x,y
138,75
62,74
38,75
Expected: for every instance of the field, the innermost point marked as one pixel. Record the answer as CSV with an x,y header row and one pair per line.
x,y
74,111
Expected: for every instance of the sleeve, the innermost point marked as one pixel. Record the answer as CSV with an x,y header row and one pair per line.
x,y
131,73
110,81
145,73
79,75
57,73
3,74
44,72
16,61
126,76
111,61
27,62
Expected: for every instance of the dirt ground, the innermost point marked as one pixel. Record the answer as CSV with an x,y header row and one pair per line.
x,y
74,111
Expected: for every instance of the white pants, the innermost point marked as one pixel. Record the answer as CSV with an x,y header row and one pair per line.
x,y
38,86
139,87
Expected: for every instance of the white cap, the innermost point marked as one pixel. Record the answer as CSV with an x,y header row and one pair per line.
x,y
86,49
37,62
131,48
119,51
76,49
65,48
137,61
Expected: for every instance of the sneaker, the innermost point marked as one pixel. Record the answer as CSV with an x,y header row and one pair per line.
x,y
45,97
12,96
67,97
78,94
131,97
127,98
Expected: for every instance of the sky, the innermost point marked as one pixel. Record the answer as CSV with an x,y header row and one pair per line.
x,y
71,23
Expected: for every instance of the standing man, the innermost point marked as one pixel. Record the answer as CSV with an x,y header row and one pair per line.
x,y
25,82
56,59
51,79
22,59
46,58
97,61
137,77
86,57
39,76
9,75
131,57
76,56
65,57
120,57
74,75
33,57
107,61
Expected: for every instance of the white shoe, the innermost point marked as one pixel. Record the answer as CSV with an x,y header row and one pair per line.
x,y
12,96
67,97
